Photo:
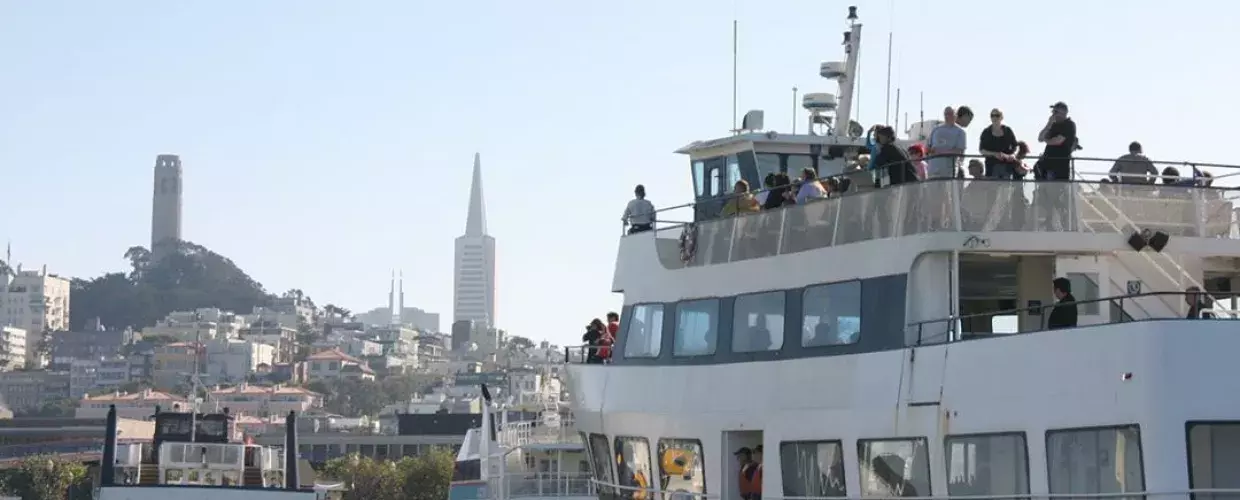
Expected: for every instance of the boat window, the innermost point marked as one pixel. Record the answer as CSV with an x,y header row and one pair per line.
x,y
797,163
767,163
644,333
832,314
680,467
633,467
894,467
987,465
1085,287
758,322
812,469
600,456
734,171
697,327
1213,452
1095,460
699,178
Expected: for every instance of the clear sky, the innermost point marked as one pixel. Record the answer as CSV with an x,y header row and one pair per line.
x,y
327,142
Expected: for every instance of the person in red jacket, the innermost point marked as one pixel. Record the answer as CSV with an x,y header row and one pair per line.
x,y
609,339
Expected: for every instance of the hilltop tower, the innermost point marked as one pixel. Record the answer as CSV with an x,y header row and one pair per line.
x,y
166,201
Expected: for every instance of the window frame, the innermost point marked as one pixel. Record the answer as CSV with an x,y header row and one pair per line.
x,y
861,453
1140,449
628,338
701,461
1024,441
714,326
616,451
610,461
783,337
859,283
843,461
1188,447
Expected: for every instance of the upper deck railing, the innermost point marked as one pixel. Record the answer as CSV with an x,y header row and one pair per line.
x,y
515,434
865,213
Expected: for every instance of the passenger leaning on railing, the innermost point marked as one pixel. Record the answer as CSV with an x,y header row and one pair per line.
x,y
890,157
917,154
1134,167
742,201
998,144
780,194
639,215
1198,303
947,142
810,188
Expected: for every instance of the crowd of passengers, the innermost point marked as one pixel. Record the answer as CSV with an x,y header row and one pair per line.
x,y
940,157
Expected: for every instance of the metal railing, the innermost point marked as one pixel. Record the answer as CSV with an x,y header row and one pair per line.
x,y
609,491
977,205
547,484
949,329
514,434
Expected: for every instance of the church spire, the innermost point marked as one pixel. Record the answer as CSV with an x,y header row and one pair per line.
x,y
476,224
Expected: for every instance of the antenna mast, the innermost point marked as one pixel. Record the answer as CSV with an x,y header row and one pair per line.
x,y
794,110
734,35
887,112
897,115
849,77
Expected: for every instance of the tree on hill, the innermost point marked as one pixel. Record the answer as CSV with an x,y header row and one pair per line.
x,y
354,398
185,276
45,477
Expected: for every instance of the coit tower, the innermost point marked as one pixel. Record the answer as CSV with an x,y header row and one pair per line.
x,y
166,201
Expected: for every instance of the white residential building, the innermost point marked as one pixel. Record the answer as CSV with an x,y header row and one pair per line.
x,y
138,405
36,302
474,262
86,375
265,401
334,364
197,325
231,361
12,348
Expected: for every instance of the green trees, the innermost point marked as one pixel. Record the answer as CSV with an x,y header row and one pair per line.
x,y
186,277
425,477
44,477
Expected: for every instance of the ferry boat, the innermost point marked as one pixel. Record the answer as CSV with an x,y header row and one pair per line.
x,y
197,456
893,342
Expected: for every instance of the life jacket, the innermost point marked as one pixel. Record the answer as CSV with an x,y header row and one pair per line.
x,y
604,343
750,479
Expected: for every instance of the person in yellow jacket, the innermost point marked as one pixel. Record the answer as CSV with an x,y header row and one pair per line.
x,y
742,201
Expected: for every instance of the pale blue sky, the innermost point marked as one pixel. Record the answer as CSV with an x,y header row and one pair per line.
x,y
327,142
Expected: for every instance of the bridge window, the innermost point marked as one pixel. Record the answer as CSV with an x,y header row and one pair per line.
x,y
697,327
633,467
1096,460
987,465
812,469
894,467
600,455
644,333
1213,457
832,314
680,467
768,163
699,178
758,322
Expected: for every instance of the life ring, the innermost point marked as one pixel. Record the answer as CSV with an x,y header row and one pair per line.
x,y
688,243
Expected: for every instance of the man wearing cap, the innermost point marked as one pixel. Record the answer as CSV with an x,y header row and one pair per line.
x,y
1059,134
744,457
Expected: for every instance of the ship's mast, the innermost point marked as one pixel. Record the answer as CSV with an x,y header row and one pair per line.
x,y
852,48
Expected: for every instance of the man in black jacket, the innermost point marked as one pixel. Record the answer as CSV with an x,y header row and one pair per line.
x,y
1063,315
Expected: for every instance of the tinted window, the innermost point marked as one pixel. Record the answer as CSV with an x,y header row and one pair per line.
x,y
697,327
832,314
1214,454
734,171
680,467
797,163
600,455
699,177
758,322
812,469
894,467
987,465
767,164
633,467
1098,460
644,333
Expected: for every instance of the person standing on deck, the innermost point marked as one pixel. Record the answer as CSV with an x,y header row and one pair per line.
x,y
1059,134
1063,314
757,473
744,480
947,143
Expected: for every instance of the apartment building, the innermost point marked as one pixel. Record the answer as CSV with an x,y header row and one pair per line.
x,y
176,363
197,325
334,364
280,336
31,389
92,342
265,401
137,405
88,375
12,348
231,361
37,302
